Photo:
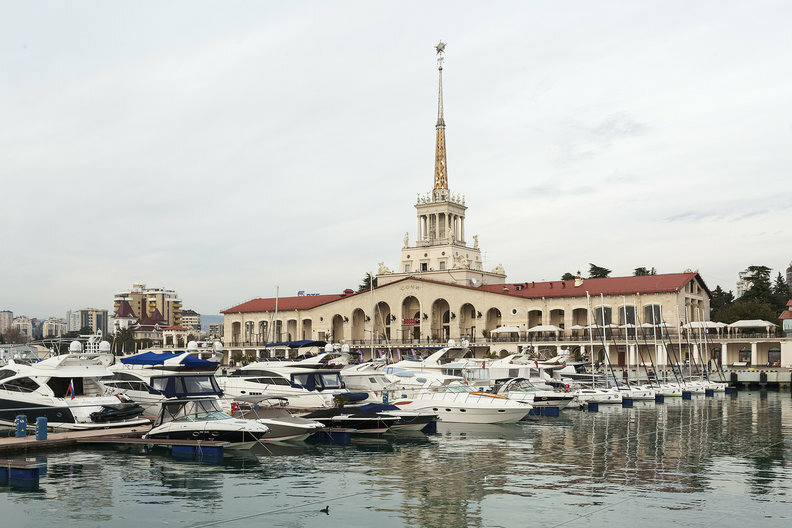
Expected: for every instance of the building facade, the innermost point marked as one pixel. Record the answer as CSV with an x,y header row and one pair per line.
x,y
440,291
24,324
6,319
54,327
191,320
144,301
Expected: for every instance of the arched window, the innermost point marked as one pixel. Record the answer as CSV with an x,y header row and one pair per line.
x,y
653,314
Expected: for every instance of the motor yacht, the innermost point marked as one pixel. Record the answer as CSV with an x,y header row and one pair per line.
x,y
302,387
283,425
204,419
363,422
68,391
524,390
150,378
456,402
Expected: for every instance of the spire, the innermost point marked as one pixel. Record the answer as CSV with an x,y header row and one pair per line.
x,y
440,176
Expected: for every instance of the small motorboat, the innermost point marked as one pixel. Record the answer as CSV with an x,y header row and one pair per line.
x,y
362,422
283,425
203,419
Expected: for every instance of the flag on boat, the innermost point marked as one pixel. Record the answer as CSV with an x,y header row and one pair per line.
x,y
71,389
483,364
398,354
379,352
360,353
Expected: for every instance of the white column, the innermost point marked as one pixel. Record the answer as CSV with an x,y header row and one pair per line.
x,y
724,353
419,229
754,354
462,229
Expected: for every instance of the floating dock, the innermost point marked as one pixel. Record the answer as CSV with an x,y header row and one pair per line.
x,y
69,438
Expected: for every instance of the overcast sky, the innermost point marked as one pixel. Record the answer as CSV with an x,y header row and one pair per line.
x,y
223,148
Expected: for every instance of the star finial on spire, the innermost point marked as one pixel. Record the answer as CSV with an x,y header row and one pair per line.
x,y
440,47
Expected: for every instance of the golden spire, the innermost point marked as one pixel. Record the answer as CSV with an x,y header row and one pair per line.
x,y
441,175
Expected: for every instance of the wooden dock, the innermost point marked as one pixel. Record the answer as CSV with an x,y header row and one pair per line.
x,y
152,441
55,440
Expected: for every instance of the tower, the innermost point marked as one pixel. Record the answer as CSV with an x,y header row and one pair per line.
x,y
440,251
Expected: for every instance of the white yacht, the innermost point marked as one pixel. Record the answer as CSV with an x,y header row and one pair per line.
x,y
149,378
539,396
204,419
68,391
461,403
302,387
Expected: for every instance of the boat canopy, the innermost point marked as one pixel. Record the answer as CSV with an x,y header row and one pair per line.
x,y
298,344
160,358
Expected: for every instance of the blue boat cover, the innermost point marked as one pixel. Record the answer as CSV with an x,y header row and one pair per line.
x,y
298,344
159,358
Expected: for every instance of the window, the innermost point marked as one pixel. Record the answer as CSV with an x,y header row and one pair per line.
x,y
20,385
442,264
745,355
6,373
407,268
424,266
653,314
598,316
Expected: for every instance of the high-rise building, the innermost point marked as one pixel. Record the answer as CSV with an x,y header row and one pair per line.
x,y
743,284
144,301
6,319
72,320
191,320
25,325
53,327
789,278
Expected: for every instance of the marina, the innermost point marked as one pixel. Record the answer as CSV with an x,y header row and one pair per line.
x,y
692,462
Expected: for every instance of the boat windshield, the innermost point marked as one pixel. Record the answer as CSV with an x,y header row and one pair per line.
x,y
522,386
191,411
456,387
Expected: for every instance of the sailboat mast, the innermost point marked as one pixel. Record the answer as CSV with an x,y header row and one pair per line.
x,y
591,338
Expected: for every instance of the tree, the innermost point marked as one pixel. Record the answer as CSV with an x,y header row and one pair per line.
x,y
14,336
598,272
759,279
367,278
124,341
720,299
567,276
780,292
643,271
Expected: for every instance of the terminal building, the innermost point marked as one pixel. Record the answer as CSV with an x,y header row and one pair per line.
x,y
439,290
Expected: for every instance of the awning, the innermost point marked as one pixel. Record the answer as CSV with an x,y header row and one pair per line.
x,y
298,344
506,330
751,323
544,328
576,327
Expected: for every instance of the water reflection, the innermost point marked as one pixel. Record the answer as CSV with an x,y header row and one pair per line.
x,y
683,455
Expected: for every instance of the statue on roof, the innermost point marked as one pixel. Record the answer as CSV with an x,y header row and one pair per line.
x,y
499,270
461,262
383,269
406,239
475,241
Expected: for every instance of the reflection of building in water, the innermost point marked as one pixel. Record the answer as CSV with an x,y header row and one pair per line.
x,y
669,448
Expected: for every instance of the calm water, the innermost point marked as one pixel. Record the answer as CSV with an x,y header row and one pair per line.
x,y
715,461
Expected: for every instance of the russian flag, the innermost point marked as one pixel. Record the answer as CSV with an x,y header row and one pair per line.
x,y
398,353
71,389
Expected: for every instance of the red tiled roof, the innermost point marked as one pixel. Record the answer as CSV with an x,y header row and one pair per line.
x,y
667,283
789,303
155,318
124,310
285,303
671,282
786,315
